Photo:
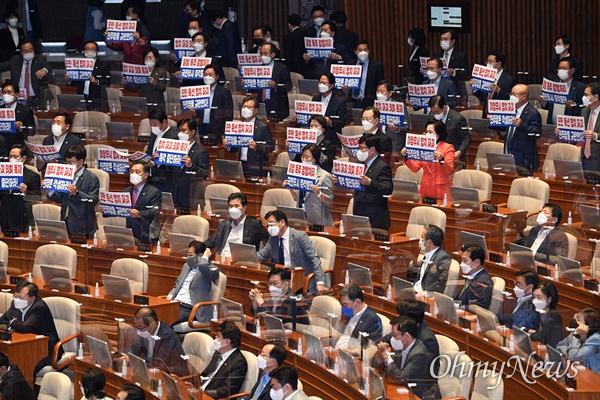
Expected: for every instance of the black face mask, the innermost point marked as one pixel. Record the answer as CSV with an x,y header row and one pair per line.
x,y
258,42
192,262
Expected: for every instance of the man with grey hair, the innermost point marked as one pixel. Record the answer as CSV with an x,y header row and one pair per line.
x,y
430,274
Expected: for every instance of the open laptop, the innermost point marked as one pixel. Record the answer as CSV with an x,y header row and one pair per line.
x,y
119,237
219,206
480,127
120,131
521,257
163,45
406,190
556,358
357,226
44,126
523,343
446,309
570,270
465,197
566,169
418,122
295,216
171,386
116,287
139,369
179,243
500,162
274,327
71,102
377,385
168,206
52,230
404,289
279,174
243,254
360,276
349,366
100,352
314,349
229,169
487,320
132,104
233,311
473,238
590,216
56,277
53,48
308,86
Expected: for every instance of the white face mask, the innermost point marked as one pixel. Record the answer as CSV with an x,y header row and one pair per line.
x,y
439,116
15,160
266,59
432,75
8,98
247,113
275,291
135,179
192,32
411,42
90,54
586,101
445,44
308,162
319,21
396,344
491,65
128,17
57,130
28,56
325,35
363,55
143,334
273,230
155,129
431,135
20,304
261,362
514,99
465,268
276,394
183,136
268,39
217,344
563,74
209,80
559,49
198,47
381,97
362,155
541,219
323,88
367,125
422,244
150,64
520,293
235,213
12,22
540,305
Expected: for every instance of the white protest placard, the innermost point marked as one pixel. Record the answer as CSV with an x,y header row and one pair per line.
x,y
555,92
420,147
348,174
195,97
7,120
305,109
136,74
350,143
419,95
193,67
171,151
300,176
423,61
570,129
44,152
58,177
297,138
318,48
483,76
238,134
115,204
347,75
183,47
79,69
120,31
112,161
256,76
501,112
11,175
137,156
249,59
391,112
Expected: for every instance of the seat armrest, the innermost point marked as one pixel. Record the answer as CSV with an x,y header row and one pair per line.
x,y
57,347
238,395
311,275
192,318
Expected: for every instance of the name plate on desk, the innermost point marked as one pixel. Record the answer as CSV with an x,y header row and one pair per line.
x,y
524,172
81,289
14,280
265,265
139,299
592,181
494,257
464,322
207,141
543,271
489,208
590,284
144,248
381,237
429,200
11,233
183,211
143,139
5,336
316,228
76,239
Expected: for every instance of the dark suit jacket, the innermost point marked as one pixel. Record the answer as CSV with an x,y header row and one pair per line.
x,y
523,144
592,163
415,63
192,82
425,335
458,132
255,234
40,86
416,369
458,61
230,376
505,83
436,274
346,37
284,309
7,44
446,88
328,152
221,110
228,44
370,323
70,140
260,155
370,202
34,16
575,94
167,351
478,291
279,102
184,178
7,140
550,329
336,111
386,143
163,175
97,93
148,224
154,93
14,386
374,76
293,49
556,243
265,393
316,68
525,316
552,70
81,219
16,209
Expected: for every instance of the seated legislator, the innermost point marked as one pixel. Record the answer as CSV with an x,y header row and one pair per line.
x,y
271,357
334,104
28,313
550,327
24,120
284,384
358,318
157,343
547,239
239,228
146,201
437,175
13,384
162,175
77,207
212,123
583,345
524,314
227,369
292,248
326,146
430,274
411,362
131,392
61,139
196,164
278,303
456,126
16,212
194,283
92,385
478,285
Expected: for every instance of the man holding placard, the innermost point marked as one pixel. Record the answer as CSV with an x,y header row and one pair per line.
x,y
195,164
575,89
590,151
502,84
276,97
24,122
61,138
211,122
93,88
370,123
335,106
146,201
161,175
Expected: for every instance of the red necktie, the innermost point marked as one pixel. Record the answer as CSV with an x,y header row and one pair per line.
x,y
135,196
27,78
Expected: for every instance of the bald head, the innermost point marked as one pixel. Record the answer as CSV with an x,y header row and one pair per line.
x,y
521,92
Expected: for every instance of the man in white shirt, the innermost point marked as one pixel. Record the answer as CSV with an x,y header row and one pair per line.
x,y
431,274
547,239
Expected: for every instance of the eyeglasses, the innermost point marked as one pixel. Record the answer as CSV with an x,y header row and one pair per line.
x,y
275,283
142,328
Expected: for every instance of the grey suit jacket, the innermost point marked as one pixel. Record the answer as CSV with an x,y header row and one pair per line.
x,y
436,273
595,157
415,369
200,287
317,212
302,253
40,86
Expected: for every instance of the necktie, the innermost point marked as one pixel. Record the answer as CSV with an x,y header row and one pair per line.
x,y
464,289
446,54
281,256
259,389
356,92
27,78
135,196
587,150
508,141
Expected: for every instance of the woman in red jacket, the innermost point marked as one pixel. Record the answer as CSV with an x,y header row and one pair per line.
x,y
436,175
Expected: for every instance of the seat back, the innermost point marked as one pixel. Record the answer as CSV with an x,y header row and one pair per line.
x,y
560,151
102,221
453,275
199,348
191,225
230,74
292,97
572,239
276,197
114,98
404,173
497,297
238,99
54,255
321,307
535,91
455,382
350,209
66,315
4,254
386,328
86,120
325,249
134,270
102,176
46,211
295,76
595,263
5,300
251,374
218,190
446,344
487,147
473,179
92,153
55,386
421,216
144,127
55,90
488,385
471,114
173,102
283,159
351,130
218,289
543,114
528,194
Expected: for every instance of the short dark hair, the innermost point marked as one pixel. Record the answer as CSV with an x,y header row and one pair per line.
x,y
68,119
440,128
261,28
147,315
133,392
22,149
77,151
330,77
531,277
549,290
339,17
452,32
93,381
216,69
4,361
254,101
591,318
406,324
216,14
437,100
10,13
318,8
353,292
435,234
278,215
500,57
332,26
418,35
23,43
376,112
411,308
144,165
191,123
286,374
567,41
315,151
157,114
198,245
91,41
389,86
204,37
230,331
278,353
594,88
371,141
32,288
320,119
476,252
135,10
294,19
194,5
570,60
556,211
437,61
15,86
238,196
283,273
359,42
267,29
154,52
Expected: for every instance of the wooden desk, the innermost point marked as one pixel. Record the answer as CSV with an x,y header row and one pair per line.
x,y
25,350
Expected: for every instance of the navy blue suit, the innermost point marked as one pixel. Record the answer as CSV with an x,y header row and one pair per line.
x,y
229,44
521,141
278,102
221,110
260,155
374,76
524,316
478,291
146,228
575,94
447,88
371,202
505,83
336,111
458,61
